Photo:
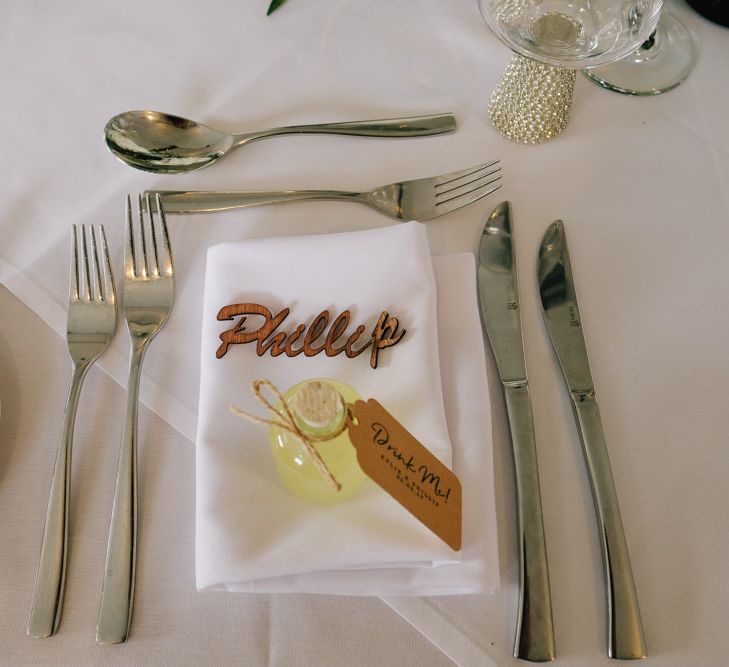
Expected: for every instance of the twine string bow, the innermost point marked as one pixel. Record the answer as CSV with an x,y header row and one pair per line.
x,y
284,419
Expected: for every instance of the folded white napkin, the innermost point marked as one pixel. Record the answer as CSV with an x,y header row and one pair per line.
x,y
252,534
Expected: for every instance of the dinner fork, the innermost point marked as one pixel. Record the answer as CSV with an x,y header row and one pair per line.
x,y
148,293
420,199
90,327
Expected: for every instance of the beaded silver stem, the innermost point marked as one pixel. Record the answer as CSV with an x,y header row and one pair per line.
x,y
532,102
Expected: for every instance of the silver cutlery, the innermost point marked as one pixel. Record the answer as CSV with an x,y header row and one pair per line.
x,y
562,318
90,329
499,298
420,199
148,293
166,144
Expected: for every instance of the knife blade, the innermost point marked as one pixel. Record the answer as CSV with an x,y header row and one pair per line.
x,y
499,300
562,318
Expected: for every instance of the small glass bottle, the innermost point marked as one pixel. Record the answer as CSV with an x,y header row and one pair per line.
x,y
319,409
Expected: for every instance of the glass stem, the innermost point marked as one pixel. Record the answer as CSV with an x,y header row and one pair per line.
x,y
648,44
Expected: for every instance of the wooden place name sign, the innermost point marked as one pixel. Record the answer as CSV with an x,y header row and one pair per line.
x,y
384,334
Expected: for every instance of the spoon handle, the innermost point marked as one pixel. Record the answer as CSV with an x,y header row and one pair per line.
x,y
413,126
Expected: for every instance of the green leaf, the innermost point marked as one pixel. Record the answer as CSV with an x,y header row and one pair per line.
x,y
275,4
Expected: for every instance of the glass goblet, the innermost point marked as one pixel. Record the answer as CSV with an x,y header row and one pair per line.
x,y
658,65
552,39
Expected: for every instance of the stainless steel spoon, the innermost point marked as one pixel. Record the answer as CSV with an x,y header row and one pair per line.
x,y
166,144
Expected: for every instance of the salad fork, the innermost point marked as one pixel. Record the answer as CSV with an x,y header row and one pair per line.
x,y
148,293
419,199
89,330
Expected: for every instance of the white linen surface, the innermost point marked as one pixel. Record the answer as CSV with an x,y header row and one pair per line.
x,y
252,534
642,183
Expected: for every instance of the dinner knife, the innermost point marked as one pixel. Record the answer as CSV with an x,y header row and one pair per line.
x,y
499,299
562,318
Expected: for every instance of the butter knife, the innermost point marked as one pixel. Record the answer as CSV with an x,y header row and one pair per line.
x,y
499,299
562,317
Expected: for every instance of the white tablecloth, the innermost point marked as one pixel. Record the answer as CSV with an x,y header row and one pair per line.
x,y
642,184
173,623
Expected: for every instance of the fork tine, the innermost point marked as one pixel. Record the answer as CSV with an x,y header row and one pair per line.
x,y
166,251
470,197
85,277
154,256
96,294
446,179
130,260
108,279
73,290
460,184
143,267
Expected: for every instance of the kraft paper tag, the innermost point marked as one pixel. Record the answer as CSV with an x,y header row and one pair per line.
x,y
403,467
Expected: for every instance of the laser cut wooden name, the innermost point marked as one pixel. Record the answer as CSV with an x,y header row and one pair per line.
x,y
384,334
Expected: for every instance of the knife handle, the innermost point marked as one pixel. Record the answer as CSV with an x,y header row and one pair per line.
x,y
534,639
625,629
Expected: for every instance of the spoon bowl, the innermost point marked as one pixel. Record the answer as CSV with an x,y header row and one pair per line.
x,y
164,143
167,144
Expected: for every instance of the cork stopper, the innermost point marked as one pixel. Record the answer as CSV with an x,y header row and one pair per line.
x,y
318,405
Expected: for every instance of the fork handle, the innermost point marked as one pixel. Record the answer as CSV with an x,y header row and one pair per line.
x,y
178,201
117,595
50,578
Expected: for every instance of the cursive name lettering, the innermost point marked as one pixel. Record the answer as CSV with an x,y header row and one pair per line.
x,y
385,333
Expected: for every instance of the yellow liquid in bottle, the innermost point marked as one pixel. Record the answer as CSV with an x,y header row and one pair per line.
x,y
294,464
